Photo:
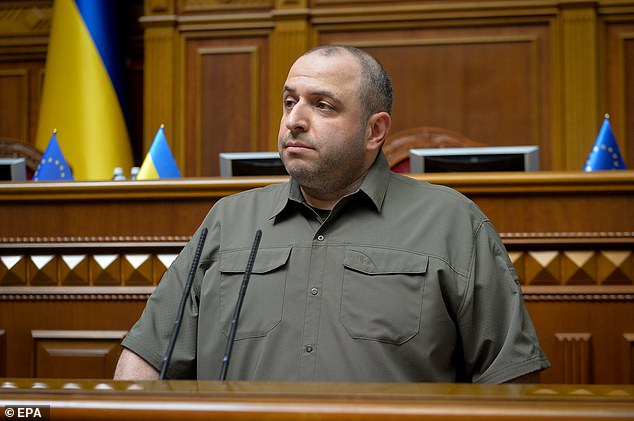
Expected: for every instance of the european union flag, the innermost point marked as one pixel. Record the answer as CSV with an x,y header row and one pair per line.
x,y
605,154
53,166
159,161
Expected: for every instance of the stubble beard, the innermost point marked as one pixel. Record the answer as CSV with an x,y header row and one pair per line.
x,y
332,174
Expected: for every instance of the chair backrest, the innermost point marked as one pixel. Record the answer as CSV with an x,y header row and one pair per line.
x,y
14,148
397,145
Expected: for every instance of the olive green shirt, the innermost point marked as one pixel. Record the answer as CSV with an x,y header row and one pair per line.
x,y
403,281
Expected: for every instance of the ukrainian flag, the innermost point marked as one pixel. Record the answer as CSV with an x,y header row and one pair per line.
x,y
159,161
83,89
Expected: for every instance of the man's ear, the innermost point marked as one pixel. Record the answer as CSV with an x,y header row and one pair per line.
x,y
377,129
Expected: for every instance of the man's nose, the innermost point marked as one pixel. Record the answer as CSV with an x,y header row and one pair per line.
x,y
297,118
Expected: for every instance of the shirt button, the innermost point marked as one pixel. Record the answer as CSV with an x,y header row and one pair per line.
x,y
320,238
309,348
314,291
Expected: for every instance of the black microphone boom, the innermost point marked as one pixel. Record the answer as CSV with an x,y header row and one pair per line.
x,y
236,313
181,309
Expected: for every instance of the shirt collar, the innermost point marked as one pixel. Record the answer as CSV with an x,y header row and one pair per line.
x,y
374,186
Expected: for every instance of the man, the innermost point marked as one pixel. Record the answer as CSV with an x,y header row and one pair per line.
x,y
361,274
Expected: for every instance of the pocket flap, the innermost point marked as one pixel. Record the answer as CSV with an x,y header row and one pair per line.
x,y
371,260
266,260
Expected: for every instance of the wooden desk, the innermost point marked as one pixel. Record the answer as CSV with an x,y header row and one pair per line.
x,y
559,203
185,400
71,253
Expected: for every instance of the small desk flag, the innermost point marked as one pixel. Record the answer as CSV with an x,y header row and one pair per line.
x,y
605,154
53,166
159,161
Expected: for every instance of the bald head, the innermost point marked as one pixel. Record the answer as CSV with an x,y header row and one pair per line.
x,y
376,86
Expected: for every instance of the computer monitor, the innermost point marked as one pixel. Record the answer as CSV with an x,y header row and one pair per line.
x,y
234,164
494,158
12,169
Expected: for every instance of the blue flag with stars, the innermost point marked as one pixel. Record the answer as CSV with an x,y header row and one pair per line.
x,y
53,166
605,154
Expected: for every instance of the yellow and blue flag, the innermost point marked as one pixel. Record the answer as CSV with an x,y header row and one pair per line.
x,y
159,161
53,165
83,89
605,154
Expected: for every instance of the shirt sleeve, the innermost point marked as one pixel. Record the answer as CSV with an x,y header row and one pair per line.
x,y
150,335
499,340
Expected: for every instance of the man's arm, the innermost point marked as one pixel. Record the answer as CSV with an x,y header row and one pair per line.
x,y
132,367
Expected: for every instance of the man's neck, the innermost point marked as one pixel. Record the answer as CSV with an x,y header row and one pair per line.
x,y
327,201
315,202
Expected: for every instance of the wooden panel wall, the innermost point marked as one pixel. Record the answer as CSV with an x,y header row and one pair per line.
x,y
501,72
513,72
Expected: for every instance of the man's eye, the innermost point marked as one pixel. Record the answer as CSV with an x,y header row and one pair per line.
x,y
289,103
324,106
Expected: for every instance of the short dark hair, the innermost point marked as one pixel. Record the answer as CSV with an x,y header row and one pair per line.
x,y
376,86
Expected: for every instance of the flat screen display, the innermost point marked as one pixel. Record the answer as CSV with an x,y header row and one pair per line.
x,y
494,158
235,164
12,169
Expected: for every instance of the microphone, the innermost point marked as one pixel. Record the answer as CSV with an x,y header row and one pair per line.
x,y
181,309
236,313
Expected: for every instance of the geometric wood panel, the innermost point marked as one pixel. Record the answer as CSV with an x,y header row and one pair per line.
x,y
92,264
12,270
88,265
73,270
573,350
578,267
78,354
136,269
570,266
615,267
161,261
542,268
106,269
42,270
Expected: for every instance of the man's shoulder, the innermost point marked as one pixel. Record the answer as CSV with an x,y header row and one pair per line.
x,y
424,190
270,192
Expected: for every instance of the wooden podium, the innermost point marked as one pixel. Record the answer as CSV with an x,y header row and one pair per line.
x,y
78,261
241,401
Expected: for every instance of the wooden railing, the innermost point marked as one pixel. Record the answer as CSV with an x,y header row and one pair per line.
x,y
184,400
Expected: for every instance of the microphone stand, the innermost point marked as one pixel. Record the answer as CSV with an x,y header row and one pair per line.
x,y
236,313
181,309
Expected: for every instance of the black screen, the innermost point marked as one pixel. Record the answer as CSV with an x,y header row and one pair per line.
x,y
471,163
253,167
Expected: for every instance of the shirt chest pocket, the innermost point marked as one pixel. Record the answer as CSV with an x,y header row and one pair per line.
x,y
382,294
264,299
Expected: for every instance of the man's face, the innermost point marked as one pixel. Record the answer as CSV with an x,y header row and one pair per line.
x,y
322,139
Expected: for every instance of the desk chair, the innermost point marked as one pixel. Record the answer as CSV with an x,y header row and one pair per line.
x,y
397,145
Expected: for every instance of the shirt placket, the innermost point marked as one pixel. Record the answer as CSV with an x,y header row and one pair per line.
x,y
316,271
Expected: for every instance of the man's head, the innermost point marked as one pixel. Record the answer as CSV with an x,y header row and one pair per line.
x,y
336,114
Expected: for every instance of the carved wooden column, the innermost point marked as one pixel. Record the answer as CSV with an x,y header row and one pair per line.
x,y
580,114
290,38
159,71
574,354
